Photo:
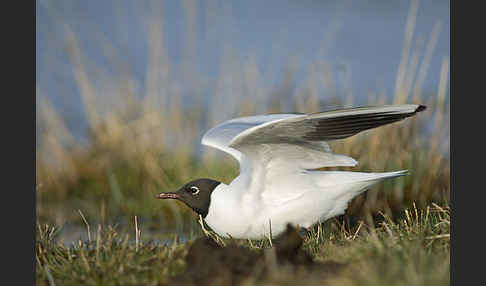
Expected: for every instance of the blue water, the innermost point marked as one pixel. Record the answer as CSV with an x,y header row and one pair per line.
x,y
360,40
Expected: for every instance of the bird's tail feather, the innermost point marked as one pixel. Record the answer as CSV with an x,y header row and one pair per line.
x,y
387,175
333,178
344,186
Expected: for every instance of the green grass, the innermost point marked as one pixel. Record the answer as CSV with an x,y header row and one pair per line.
x,y
411,250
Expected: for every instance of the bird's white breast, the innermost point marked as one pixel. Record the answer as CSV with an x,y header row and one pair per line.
x,y
226,215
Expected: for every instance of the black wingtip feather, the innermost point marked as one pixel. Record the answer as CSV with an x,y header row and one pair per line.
x,y
421,108
345,126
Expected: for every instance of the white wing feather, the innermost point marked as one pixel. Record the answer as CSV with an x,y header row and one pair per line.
x,y
220,136
310,155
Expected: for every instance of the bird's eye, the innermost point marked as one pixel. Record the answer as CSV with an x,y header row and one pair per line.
x,y
194,190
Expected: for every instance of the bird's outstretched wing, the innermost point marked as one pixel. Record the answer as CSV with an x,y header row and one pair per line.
x,y
277,149
323,126
299,134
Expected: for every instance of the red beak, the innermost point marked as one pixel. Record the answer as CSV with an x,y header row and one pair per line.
x,y
169,195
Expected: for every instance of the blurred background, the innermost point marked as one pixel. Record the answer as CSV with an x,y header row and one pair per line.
x,y
125,90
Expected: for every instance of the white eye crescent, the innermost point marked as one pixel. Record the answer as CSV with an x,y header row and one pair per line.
x,y
194,190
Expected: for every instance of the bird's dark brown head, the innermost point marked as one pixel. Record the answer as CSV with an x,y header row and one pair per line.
x,y
195,194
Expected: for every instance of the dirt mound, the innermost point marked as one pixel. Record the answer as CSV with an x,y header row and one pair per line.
x,y
208,263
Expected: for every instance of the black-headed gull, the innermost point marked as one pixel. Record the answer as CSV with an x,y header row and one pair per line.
x,y
278,181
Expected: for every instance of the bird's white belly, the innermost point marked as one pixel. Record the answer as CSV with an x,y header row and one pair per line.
x,y
237,225
228,216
